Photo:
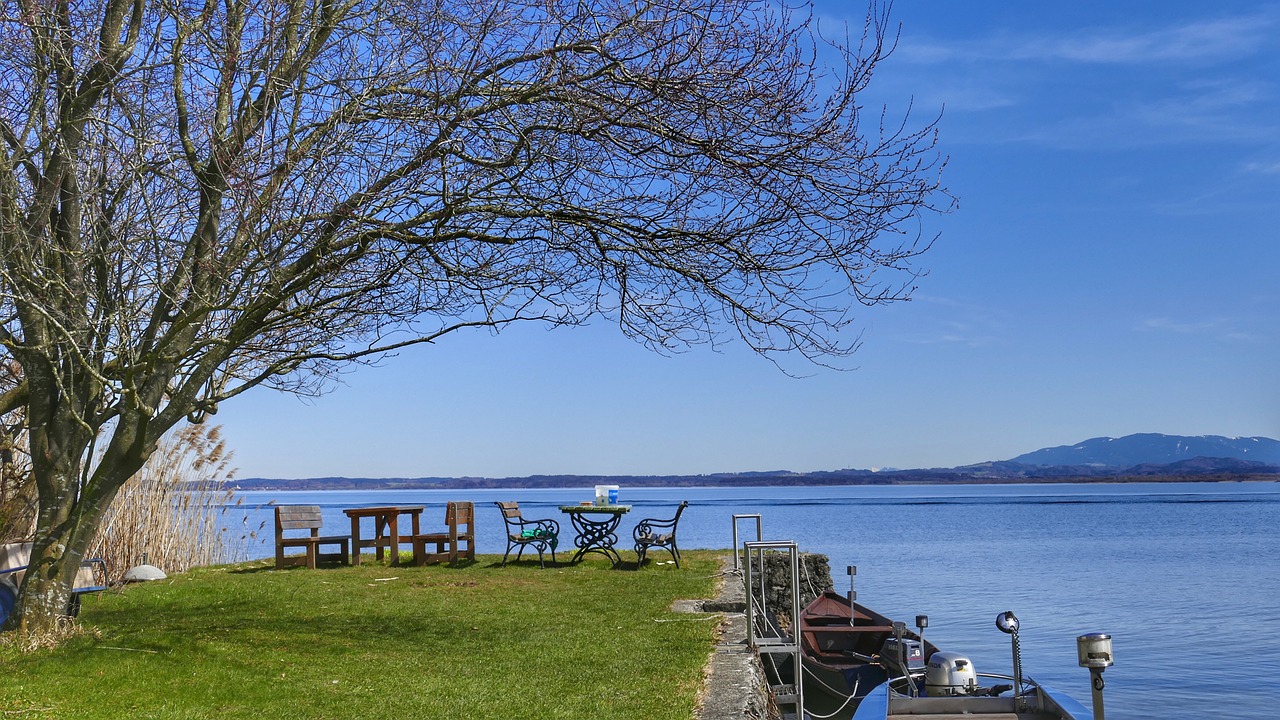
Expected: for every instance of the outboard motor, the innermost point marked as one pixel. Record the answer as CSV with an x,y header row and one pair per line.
x,y
950,673
900,657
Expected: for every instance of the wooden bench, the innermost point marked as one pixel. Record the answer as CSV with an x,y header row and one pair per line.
x,y
456,516
306,517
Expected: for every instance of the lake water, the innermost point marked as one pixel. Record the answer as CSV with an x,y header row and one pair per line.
x,y
1185,577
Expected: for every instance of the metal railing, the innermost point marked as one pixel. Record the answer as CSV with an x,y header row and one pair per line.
x,y
768,639
759,534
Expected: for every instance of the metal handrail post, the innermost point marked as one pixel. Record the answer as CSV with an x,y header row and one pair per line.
x,y
764,607
776,644
797,663
759,533
751,604
756,549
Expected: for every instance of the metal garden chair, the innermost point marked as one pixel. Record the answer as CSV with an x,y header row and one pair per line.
x,y
653,532
541,535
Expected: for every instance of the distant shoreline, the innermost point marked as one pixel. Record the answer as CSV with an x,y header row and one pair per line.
x,y
744,480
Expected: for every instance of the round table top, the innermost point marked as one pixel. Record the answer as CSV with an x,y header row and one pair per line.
x,y
610,509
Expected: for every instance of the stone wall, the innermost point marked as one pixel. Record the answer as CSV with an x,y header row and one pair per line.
x,y
815,576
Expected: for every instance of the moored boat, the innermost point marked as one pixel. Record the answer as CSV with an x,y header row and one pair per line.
x,y
950,689
1036,702
848,649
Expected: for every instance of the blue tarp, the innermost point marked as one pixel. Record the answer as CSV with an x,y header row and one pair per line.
x,y
8,596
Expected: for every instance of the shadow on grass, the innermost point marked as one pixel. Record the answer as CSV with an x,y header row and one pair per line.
x,y
533,563
269,566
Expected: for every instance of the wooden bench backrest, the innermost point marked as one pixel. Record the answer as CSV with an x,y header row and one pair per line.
x,y
459,513
510,510
297,517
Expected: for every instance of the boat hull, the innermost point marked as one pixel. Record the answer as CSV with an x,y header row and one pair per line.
x,y
838,641
1037,703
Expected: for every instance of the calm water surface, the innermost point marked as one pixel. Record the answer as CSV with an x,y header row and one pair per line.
x,y
1183,576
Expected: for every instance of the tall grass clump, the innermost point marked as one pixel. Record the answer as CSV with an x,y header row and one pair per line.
x,y
169,514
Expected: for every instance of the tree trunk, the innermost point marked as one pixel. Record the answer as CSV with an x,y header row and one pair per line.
x,y
58,548
70,508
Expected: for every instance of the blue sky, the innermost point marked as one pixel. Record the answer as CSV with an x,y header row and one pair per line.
x,y
1111,269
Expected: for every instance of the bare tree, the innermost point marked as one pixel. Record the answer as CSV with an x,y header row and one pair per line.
x,y
201,198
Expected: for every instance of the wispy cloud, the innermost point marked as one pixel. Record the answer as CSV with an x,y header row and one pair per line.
x,y
954,322
1190,42
1197,41
1203,111
1271,167
1221,328
1197,81
1183,326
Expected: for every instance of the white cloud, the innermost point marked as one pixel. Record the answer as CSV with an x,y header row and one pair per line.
x,y
1271,167
1202,81
948,321
1197,41
1182,326
1206,40
1220,328
1200,112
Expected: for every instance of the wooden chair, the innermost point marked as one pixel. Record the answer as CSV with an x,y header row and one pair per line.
x,y
652,532
460,519
541,535
306,517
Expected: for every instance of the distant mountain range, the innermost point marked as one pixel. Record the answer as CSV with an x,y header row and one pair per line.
x,y
1145,457
1154,449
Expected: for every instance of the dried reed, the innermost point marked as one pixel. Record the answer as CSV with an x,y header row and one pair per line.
x,y
17,491
17,500
64,629
169,514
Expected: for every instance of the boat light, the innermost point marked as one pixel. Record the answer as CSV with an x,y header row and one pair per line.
x,y
852,570
1007,622
1094,650
922,622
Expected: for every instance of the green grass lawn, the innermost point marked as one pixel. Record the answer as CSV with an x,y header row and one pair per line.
x,y
480,641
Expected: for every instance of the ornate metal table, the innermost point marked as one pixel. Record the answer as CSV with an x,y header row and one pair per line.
x,y
596,534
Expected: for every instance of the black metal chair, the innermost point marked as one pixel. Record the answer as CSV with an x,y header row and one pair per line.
x,y
653,532
541,535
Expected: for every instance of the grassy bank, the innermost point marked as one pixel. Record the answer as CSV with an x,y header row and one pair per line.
x,y
482,641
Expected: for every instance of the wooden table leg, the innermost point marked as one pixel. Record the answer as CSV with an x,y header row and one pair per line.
x,y
379,527
394,538
355,540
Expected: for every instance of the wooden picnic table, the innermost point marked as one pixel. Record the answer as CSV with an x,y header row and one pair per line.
x,y
386,530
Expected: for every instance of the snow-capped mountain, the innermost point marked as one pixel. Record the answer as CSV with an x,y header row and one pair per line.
x,y
1154,448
